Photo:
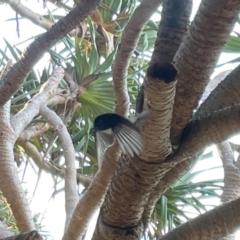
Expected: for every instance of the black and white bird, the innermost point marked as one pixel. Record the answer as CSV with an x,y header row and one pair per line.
x,y
112,127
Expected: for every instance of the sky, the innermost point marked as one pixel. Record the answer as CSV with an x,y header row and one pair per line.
x,y
42,201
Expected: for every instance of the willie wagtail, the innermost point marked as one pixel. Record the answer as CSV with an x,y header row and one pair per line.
x,y
109,127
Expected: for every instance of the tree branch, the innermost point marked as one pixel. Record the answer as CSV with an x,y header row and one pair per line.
x,y
196,57
31,109
172,27
71,195
163,185
216,223
159,92
9,181
33,131
204,131
130,37
26,12
131,185
36,156
224,95
231,188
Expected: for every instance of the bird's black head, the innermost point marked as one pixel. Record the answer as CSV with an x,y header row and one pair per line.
x,y
106,121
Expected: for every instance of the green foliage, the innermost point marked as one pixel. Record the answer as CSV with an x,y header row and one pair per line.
x,y
232,46
6,215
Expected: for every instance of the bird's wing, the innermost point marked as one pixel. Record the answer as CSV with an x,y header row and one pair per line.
x,y
104,139
128,138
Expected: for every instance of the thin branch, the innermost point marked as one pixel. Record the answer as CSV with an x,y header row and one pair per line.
x,y
224,95
31,109
231,189
32,151
93,197
36,49
130,37
9,181
71,195
231,186
33,131
26,12
57,100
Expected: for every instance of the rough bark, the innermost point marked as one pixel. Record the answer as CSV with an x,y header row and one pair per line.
x,y
159,92
173,26
224,95
127,185
103,231
218,99
204,131
134,177
197,56
163,185
131,184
